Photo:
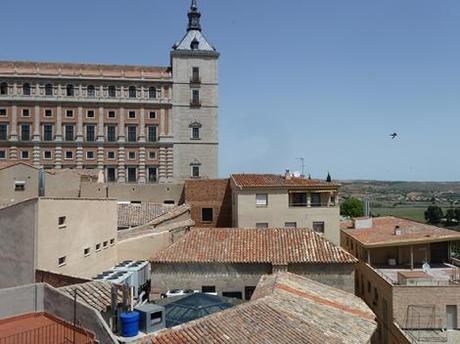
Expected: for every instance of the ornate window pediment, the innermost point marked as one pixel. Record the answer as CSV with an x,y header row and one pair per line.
x,y
195,124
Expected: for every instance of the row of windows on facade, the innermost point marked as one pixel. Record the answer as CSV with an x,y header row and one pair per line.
x,y
90,133
296,199
62,261
153,92
89,114
69,155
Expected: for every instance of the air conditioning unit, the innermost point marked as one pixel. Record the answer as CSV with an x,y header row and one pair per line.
x,y
152,317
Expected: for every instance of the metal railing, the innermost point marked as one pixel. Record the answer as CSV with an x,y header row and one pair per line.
x,y
50,334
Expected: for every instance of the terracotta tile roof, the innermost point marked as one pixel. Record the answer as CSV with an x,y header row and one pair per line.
x,y
382,232
275,180
285,308
235,245
95,294
133,215
20,68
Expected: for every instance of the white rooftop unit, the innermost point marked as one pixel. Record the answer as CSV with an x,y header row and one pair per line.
x,y
140,270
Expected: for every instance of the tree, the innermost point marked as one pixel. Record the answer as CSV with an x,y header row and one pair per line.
x,y
352,207
457,214
433,214
450,216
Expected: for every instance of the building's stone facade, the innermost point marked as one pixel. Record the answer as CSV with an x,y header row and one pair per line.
x,y
139,124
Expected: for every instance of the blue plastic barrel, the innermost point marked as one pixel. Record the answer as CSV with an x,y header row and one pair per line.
x,y
129,324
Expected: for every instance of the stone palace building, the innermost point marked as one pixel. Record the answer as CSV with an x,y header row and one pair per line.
x,y
140,124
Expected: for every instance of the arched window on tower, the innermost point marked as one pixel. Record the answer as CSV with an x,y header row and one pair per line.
x,y
152,92
48,89
132,92
3,88
195,44
26,89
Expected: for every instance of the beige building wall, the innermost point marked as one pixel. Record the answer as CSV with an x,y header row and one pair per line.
x,y
277,212
88,223
143,247
18,173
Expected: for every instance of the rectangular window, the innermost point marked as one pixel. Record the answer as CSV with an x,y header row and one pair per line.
x,y
132,114
47,155
98,247
112,91
111,133
112,241
262,225
195,74
132,133
106,244
298,199
69,113
152,155
290,225
47,132
132,174
86,251
111,114
131,155
152,115
61,221
261,200
61,261
318,227
206,214
90,133
111,155
196,133
68,155
25,132
208,289
89,155
48,113
90,114
19,186
233,294
25,113
152,134
316,199
25,155
3,132
69,133
152,174
2,112
111,176
195,171
196,97
2,154
248,291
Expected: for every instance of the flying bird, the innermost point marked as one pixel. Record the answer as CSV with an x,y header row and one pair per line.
x,y
393,136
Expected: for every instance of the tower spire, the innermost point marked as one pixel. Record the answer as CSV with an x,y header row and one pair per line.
x,y
194,16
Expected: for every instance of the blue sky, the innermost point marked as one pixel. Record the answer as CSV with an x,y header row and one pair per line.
x,y
325,80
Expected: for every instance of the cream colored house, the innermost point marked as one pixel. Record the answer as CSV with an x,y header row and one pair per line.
x,y
276,201
75,237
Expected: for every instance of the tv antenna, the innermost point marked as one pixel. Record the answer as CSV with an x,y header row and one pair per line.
x,y
302,166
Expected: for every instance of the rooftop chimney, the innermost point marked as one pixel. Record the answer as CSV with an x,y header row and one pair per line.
x,y
398,231
288,174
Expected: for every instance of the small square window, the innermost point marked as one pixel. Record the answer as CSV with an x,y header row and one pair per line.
x,y
262,225
195,171
195,133
68,154
206,214
62,221
47,155
2,112
61,261
152,115
25,155
106,243
98,247
152,155
132,114
48,113
318,227
2,154
90,114
86,251
290,225
19,186
111,114
69,113
89,155
132,155
261,200
25,113
111,155
112,241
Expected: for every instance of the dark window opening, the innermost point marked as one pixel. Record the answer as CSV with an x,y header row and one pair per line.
x,y
208,289
195,133
111,174
61,220
233,294
48,89
132,174
3,88
26,89
112,92
152,92
90,133
47,132
318,227
196,97
195,171
132,133
111,135
152,134
206,215
69,90
111,114
248,291
69,136
91,91
132,92
25,132
152,174
316,199
3,132
195,74
298,199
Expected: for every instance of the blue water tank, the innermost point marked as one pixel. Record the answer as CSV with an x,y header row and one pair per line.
x,y
129,324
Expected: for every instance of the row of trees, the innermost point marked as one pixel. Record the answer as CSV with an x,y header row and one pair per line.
x,y
436,215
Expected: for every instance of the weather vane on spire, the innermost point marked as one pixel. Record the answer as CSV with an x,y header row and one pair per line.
x,y
194,17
